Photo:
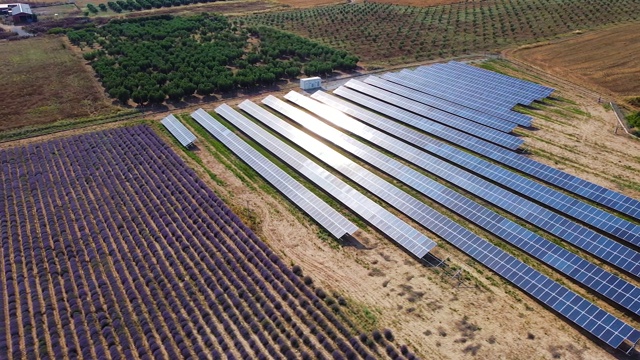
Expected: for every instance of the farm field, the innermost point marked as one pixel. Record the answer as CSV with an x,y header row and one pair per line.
x,y
34,94
234,7
308,3
56,12
605,60
383,34
382,286
117,242
183,277
223,59
422,3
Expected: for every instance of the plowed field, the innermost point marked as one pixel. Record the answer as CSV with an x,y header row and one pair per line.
x,y
605,60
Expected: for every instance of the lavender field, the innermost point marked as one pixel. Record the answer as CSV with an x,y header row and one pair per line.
x,y
113,248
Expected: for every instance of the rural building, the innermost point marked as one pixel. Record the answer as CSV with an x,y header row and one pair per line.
x,y
20,13
310,83
5,9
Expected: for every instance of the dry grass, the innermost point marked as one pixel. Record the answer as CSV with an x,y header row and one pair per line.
x,y
605,60
229,8
49,12
42,81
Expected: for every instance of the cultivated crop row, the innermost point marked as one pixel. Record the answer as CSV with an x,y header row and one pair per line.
x,y
396,33
112,247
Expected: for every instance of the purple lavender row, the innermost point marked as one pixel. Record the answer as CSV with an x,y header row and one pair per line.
x,y
145,259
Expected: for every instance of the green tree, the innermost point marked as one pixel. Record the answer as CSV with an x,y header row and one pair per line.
x,y
140,96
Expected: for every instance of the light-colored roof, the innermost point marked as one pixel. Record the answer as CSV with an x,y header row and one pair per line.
x,y
21,9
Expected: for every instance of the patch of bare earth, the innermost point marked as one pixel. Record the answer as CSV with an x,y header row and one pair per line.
x,y
43,81
229,8
309,3
422,3
606,60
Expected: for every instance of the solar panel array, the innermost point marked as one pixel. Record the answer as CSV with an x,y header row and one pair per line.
x,y
453,108
497,80
336,224
178,130
458,108
594,277
413,80
440,116
497,97
580,236
596,217
588,316
574,184
390,225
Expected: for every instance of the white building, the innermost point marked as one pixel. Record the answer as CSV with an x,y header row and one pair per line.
x,y
310,83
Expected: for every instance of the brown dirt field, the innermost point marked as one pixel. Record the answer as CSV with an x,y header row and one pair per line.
x,y
48,12
230,8
606,60
422,3
387,288
309,3
43,81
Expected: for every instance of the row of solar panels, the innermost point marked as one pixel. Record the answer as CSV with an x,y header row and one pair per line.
x,y
593,319
370,98
471,173
497,92
336,224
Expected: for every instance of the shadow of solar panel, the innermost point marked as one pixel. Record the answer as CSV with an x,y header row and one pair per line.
x,y
576,185
449,120
557,200
594,277
452,108
178,130
396,229
575,308
336,224
581,237
412,80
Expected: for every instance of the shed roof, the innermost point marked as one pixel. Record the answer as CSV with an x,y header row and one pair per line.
x,y
21,9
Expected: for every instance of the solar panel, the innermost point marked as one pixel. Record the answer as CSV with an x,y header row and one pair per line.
x,y
178,130
396,229
557,200
455,109
584,238
450,120
591,318
412,80
484,89
592,276
498,104
336,224
574,184
518,93
498,78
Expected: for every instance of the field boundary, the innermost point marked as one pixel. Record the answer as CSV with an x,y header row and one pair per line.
x,y
621,119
